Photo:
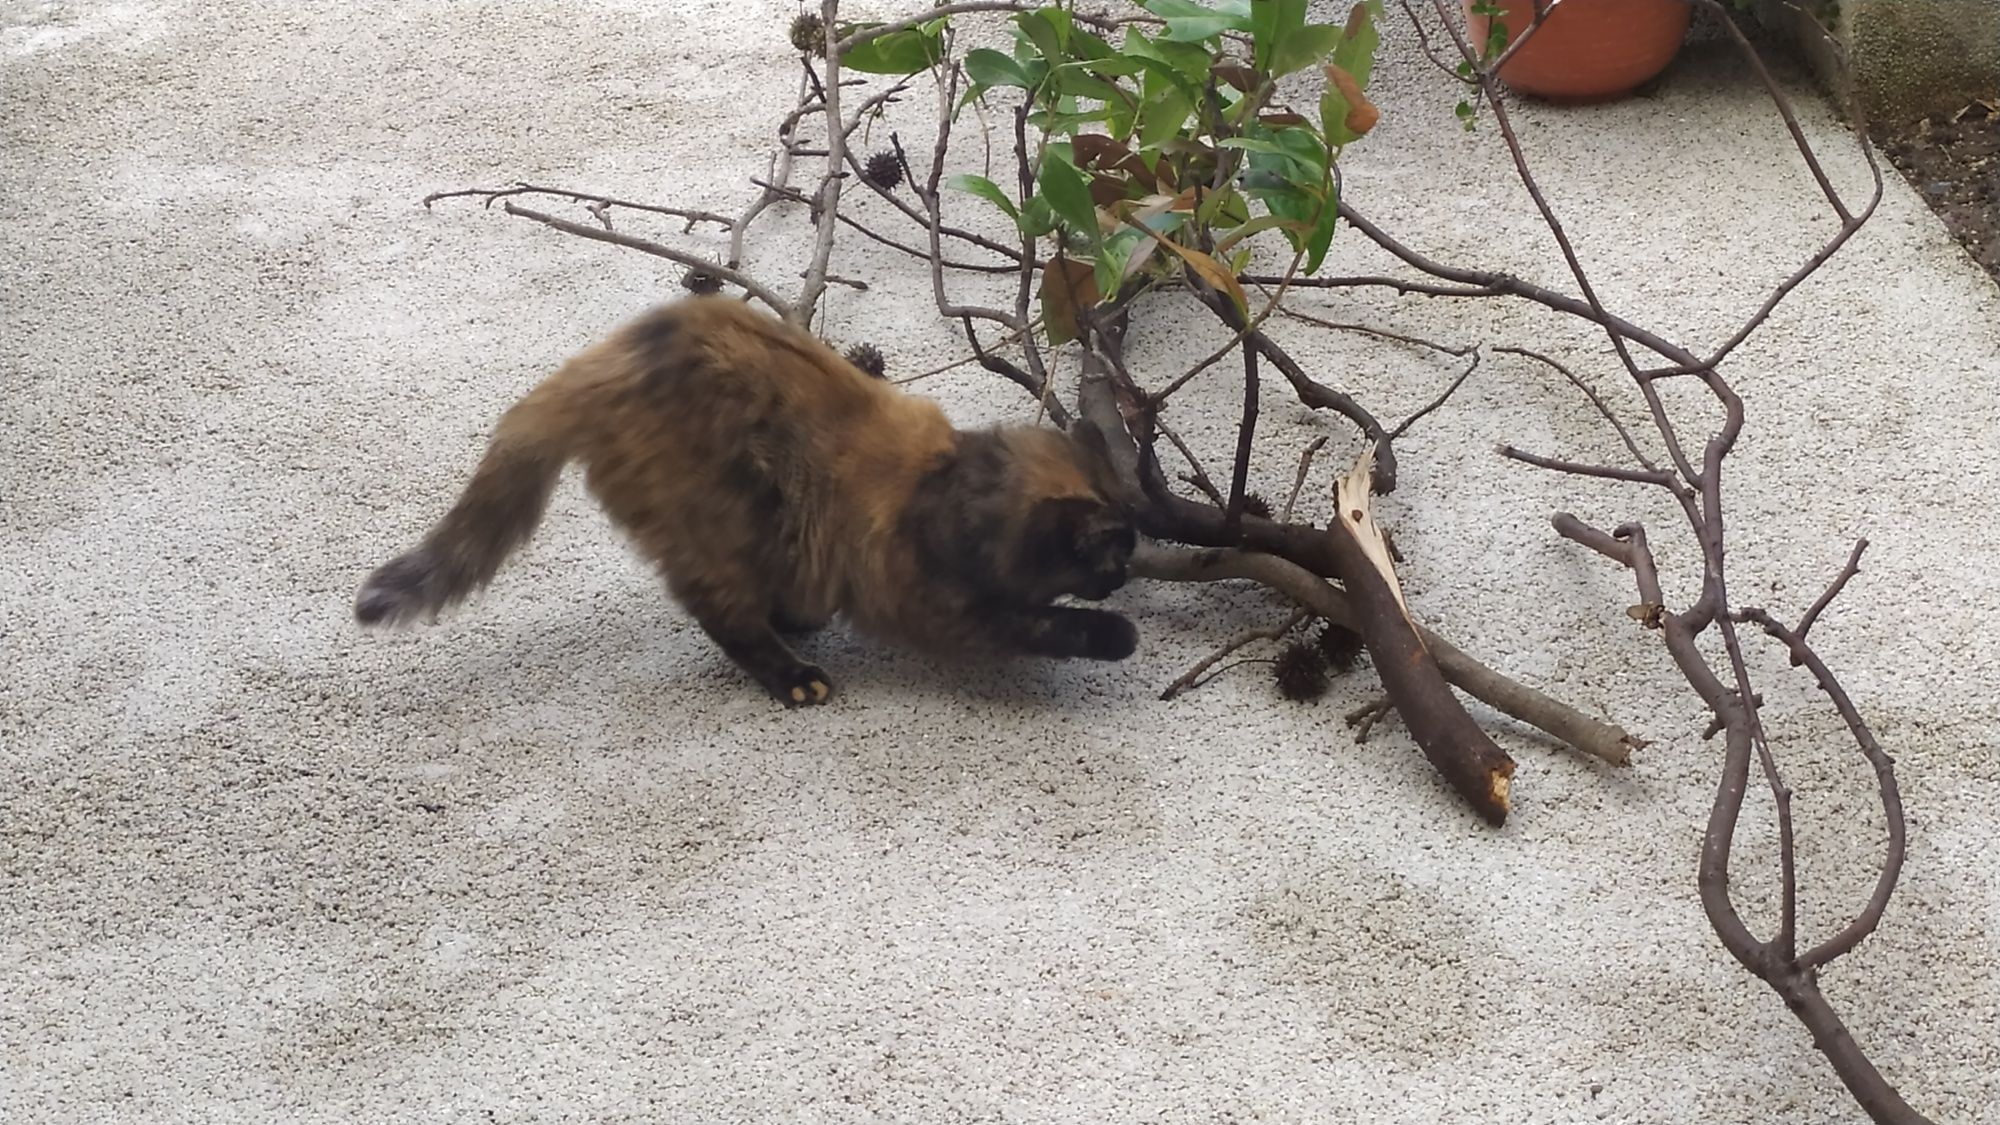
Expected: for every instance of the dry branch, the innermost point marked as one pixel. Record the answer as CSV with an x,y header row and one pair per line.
x,y
1480,771
1566,724
749,285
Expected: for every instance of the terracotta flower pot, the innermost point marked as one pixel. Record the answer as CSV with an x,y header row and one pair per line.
x,y
1588,50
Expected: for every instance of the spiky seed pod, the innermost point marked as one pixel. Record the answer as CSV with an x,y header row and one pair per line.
x,y
883,170
1254,504
1340,646
809,34
701,281
868,358
1301,672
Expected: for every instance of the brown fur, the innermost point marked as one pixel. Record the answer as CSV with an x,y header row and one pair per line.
x,y
775,485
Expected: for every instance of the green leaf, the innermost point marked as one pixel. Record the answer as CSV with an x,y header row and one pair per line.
x,y
1119,120
1299,207
1048,30
1179,9
1112,258
1196,29
1322,235
1271,23
988,67
1213,205
1163,117
1037,217
1190,22
1303,48
1355,52
1178,64
1294,155
1069,194
1311,209
988,190
1251,144
1254,226
1118,66
1074,81
1089,45
1065,122
1304,147
902,52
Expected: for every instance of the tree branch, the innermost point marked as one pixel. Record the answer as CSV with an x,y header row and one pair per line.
x,y
1566,724
693,261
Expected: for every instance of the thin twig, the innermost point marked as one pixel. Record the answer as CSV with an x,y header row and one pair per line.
x,y
1192,677
779,171
1833,590
1299,480
1596,400
1367,329
694,261
1364,717
797,196
829,191
1870,916
1606,472
1413,419
489,195
1199,477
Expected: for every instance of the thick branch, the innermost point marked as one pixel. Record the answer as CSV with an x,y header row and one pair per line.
x,y
1246,433
1507,696
1479,770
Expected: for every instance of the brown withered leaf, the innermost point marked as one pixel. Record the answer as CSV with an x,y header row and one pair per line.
x,y
1208,266
1357,18
1236,74
1647,614
1106,190
1361,113
1282,118
1067,285
1097,151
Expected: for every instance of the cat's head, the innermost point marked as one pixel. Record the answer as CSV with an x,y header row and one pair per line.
x,y
1078,539
1031,514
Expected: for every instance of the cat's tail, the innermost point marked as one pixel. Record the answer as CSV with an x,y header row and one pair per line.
x,y
498,511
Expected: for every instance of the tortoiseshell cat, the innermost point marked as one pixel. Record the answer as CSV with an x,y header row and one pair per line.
x,y
776,485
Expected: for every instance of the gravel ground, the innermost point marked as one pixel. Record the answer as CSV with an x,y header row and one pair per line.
x,y
553,860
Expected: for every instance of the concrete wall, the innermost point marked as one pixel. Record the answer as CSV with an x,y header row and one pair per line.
x,y
1905,58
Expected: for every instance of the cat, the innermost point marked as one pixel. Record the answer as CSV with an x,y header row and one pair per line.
x,y
775,486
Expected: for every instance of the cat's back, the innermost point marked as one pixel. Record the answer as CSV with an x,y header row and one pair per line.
x,y
704,350
705,393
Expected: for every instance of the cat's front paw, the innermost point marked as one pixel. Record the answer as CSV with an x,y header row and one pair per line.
x,y
1110,637
802,685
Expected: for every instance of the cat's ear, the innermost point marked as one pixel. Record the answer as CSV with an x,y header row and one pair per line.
x,y
1089,439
